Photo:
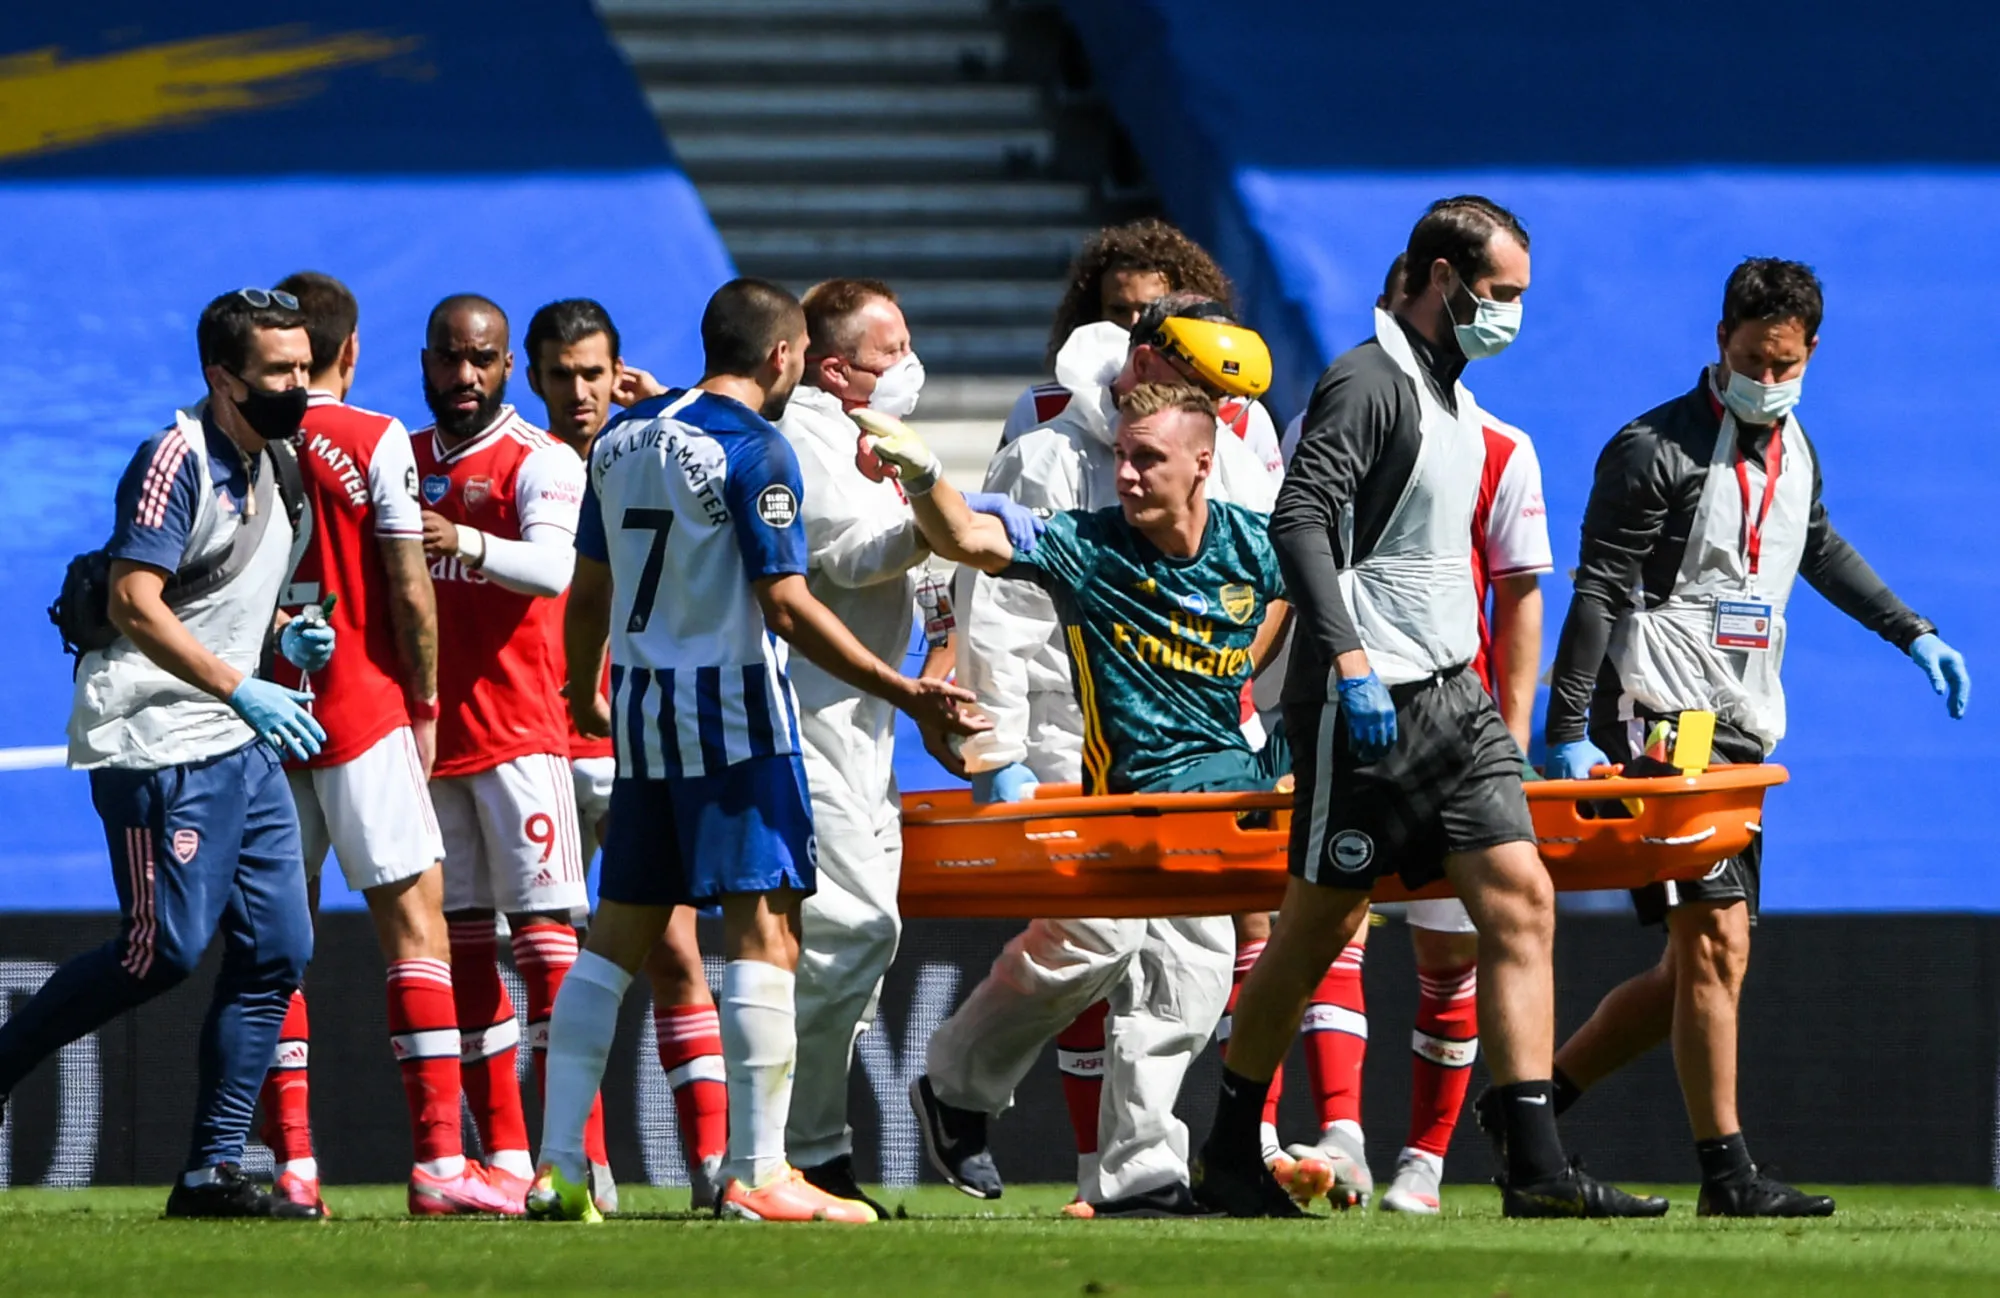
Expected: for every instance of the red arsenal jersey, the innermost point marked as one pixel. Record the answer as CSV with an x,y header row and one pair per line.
x,y
580,746
361,486
500,661
1510,525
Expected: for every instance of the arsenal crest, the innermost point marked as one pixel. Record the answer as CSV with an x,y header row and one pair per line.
x,y
1239,602
185,842
476,491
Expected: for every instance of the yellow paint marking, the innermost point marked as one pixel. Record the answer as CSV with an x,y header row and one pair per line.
x,y
48,103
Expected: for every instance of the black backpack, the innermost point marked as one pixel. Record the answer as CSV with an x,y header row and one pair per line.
x,y
82,611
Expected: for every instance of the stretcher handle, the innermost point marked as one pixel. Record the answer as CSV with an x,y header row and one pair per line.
x,y
1096,808
1746,775
1068,806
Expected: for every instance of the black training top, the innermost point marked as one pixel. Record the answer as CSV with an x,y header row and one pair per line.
x,y
1635,529
1356,448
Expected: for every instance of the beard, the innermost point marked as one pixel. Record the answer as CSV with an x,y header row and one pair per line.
x,y
461,424
774,405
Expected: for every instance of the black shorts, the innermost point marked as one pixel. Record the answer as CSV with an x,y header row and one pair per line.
x,y
1452,783
1738,878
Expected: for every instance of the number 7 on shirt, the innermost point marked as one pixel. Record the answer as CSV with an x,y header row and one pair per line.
x,y
659,522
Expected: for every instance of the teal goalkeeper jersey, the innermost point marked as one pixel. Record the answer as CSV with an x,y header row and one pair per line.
x,y
1159,647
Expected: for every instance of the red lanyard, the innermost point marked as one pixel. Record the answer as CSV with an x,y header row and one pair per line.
x,y
1753,529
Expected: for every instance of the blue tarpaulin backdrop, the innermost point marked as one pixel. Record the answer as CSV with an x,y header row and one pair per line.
x,y
152,155
1648,153
412,150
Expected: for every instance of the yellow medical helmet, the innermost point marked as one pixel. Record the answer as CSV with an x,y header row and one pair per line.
x,y
1229,358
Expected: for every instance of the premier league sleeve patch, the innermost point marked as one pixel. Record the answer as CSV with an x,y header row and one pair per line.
x,y
777,506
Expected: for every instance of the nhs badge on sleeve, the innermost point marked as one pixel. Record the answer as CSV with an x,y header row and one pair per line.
x,y
1742,624
436,487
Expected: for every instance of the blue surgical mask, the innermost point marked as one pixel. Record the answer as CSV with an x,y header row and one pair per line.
x,y
1494,325
1760,403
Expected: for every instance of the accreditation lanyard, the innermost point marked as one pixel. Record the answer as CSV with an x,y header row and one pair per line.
x,y
1753,528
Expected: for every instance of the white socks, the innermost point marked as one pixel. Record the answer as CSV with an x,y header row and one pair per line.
x,y
1086,1178
760,1044
581,1028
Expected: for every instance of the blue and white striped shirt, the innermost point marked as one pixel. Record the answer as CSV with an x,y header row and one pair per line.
x,y
691,499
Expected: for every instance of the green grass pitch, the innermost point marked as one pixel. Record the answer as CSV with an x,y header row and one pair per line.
x,y
1887,1242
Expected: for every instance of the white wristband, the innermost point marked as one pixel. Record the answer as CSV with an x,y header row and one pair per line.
x,y
471,546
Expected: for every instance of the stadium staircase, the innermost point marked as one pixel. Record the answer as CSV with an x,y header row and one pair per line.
x,y
951,147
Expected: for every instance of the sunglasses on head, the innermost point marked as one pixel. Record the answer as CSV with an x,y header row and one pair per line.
x,y
261,298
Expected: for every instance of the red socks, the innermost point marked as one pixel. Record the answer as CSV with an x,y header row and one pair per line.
x,y
1445,1043
1336,1031
1080,1060
690,1045
543,954
285,1097
488,1036
423,1035
1080,1056
1246,957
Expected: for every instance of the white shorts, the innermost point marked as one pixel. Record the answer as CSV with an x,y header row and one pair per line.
x,y
1439,915
510,838
373,811
592,777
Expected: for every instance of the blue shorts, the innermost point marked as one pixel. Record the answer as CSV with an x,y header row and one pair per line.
x,y
690,841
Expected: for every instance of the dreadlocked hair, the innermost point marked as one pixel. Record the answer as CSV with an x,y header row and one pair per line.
x,y
1148,244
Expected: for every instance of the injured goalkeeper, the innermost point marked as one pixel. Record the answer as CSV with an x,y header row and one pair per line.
x,y
1169,601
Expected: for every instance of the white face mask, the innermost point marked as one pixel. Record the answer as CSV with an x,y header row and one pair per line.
x,y
1761,403
897,388
1494,325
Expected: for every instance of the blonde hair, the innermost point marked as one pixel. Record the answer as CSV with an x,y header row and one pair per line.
x,y
1156,398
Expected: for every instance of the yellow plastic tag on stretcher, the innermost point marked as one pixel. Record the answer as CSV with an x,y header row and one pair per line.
x,y
1694,742
1656,748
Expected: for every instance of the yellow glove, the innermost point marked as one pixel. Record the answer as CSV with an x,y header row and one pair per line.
x,y
890,443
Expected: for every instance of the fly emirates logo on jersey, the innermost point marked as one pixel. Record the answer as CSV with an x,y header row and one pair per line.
x,y
449,567
1191,648
674,445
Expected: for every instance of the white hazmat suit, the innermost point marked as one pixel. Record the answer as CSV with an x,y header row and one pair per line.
x,y
864,554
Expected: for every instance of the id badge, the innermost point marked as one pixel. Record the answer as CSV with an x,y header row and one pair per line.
x,y
934,599
1742,624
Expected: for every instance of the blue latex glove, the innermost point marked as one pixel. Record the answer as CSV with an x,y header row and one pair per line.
x,y
1371,716
278,717
1573,760
307,646
1023,524
1014,783
1946,668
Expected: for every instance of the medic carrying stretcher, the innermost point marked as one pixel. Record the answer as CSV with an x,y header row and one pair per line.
x,y
1066,855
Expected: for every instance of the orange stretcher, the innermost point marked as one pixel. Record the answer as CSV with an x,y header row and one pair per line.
x,y
1063,855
